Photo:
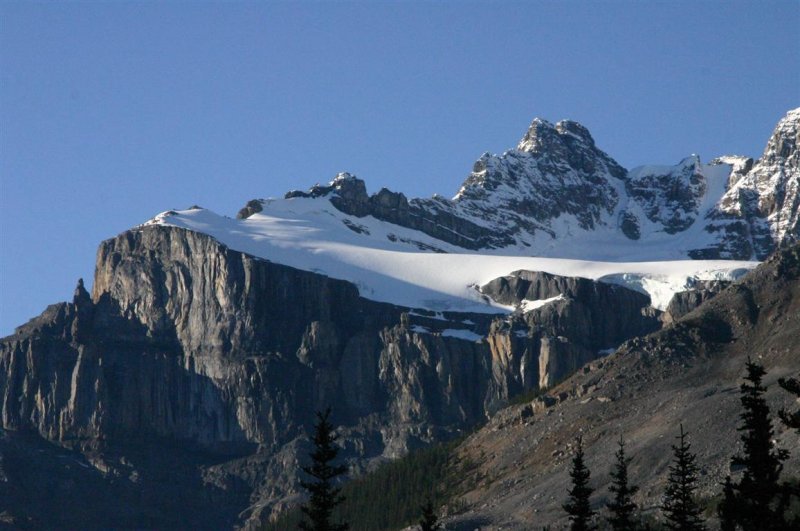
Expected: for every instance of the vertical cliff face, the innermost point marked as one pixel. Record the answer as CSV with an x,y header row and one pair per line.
x,y
562,323
185,288
185,340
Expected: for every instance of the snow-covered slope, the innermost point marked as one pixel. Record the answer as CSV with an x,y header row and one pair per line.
x,y
387,264
556,203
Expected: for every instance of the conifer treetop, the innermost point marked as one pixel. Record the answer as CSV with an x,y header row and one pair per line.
x,y
679,506
578,506
324,496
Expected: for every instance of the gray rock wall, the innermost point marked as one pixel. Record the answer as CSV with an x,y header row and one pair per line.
x,y
185,340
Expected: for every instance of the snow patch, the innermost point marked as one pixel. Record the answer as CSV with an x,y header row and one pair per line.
x,y
527,305
467,335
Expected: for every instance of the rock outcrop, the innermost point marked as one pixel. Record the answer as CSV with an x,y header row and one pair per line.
x,y
760,210
684,302
435,217
185,341
669,197
565,322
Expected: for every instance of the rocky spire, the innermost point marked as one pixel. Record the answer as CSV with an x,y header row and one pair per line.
x,y
542,136
782,147
81,297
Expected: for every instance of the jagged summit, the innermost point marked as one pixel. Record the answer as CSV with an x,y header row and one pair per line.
x,y
558,194
565,151
784,142
543,135
760,209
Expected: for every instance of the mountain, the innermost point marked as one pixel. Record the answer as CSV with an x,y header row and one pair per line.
x,y
689,373
557,192
193,369
227,356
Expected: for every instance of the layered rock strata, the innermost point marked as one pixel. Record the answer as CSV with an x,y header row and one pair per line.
x,y
184,340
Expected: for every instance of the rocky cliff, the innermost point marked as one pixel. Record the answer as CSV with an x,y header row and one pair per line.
x,y
187,342
759,209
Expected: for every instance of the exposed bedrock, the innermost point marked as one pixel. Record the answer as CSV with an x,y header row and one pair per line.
x,y
186,340
584,320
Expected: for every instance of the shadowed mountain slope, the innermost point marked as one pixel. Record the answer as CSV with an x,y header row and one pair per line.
x,y
688,373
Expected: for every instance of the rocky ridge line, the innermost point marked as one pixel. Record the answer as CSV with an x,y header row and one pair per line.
x,y
557,177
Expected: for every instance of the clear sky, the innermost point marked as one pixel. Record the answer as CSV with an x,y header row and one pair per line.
x,y
113,112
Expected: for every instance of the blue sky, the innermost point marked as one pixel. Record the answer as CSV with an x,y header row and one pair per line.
x,y
113,112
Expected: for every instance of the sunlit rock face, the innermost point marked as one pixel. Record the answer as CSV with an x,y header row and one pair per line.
x,y
759,211
557,186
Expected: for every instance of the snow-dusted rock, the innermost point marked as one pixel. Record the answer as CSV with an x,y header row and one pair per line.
x,y
557,194
759,210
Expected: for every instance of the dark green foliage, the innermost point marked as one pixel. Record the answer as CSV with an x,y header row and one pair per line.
x,y
679,506
390,496
577,506
792,420
531,394
324,496
622,507
758,493
726,510
429,520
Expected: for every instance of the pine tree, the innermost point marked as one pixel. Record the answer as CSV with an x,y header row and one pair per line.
x,y
622,507
792,420
429,520
577,506
324,496
679,506
727,509
759,489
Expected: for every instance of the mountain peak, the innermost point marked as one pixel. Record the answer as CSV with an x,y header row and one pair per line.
x,y
343,177
543,135
540,134
785,140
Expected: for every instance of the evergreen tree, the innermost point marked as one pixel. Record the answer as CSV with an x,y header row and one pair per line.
x,y
792,420
577,506
679,506
727,509
429,520
759,490
324,496
622,507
